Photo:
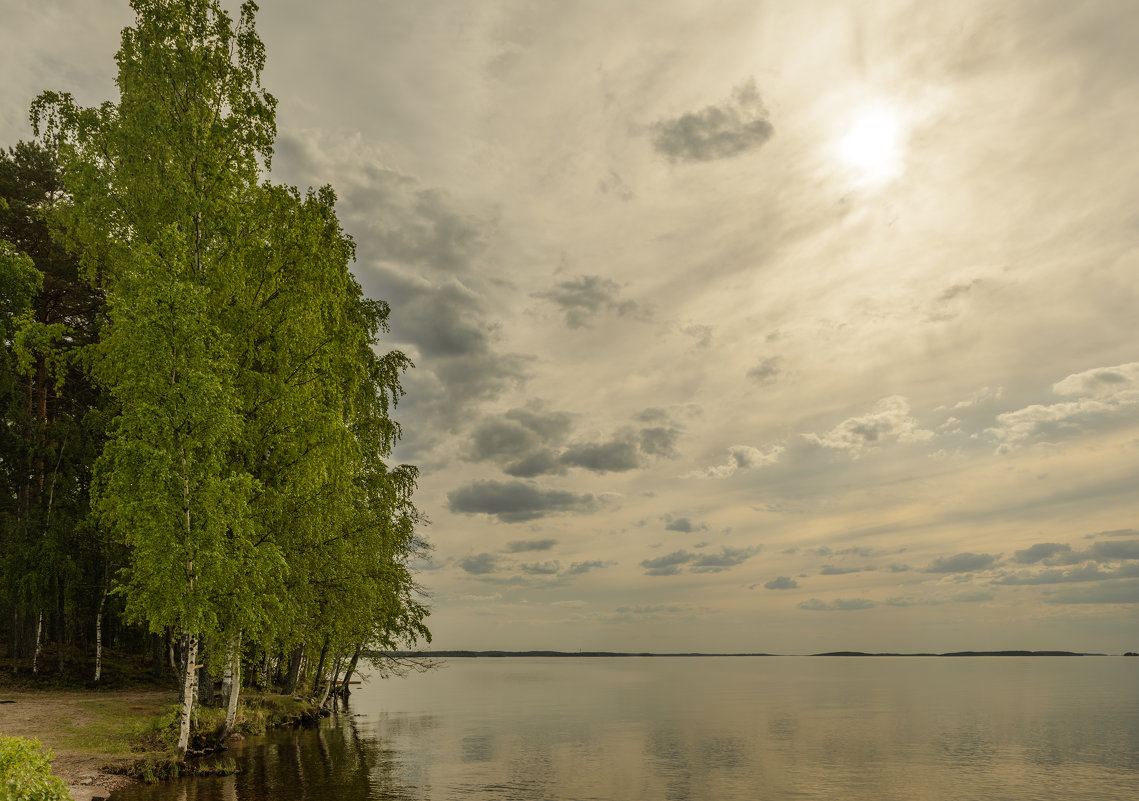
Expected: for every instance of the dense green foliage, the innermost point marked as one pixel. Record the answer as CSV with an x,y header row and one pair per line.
x,y
196,421
25,772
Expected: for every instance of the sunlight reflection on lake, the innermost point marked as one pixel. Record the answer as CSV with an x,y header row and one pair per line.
x,y
711,728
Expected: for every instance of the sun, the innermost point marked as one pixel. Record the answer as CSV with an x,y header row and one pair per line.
x,y
872,146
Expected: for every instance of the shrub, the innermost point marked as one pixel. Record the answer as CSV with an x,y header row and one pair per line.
x,y
25,772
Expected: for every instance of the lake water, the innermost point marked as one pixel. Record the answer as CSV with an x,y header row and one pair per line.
x,y
711,729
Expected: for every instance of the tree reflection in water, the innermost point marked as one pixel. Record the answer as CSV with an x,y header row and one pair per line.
x,y
340,759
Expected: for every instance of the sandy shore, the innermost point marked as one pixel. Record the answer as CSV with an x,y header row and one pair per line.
x,y
87,730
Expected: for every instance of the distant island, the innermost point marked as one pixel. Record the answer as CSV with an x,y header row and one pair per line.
x,y
508,654
966,653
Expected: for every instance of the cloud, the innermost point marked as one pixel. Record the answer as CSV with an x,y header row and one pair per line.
x,y
838,605
1119,592
960,563
767,371
480,564
889,420
740,457
530,441
540,463
1118,532
584,297
1098,394
666,565
517,501
718,562
618,455
832,570
659,441
716,132
541,568
1089,572
579,568
682,524
524,546
1039,551
782,583
1102,382
518,433
1128,549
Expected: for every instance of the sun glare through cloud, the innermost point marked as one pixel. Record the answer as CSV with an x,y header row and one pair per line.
x,y
871,147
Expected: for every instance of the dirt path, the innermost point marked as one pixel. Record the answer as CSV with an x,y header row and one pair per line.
x,y
86,730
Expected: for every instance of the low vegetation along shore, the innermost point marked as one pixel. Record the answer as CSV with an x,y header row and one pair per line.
x,y
103,738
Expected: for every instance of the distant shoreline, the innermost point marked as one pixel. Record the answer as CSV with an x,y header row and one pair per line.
x,y
611,654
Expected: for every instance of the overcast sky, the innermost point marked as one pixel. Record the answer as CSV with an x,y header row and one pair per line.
x,y
739,326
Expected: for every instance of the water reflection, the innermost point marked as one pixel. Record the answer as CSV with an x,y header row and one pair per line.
x,y
703,730
341,759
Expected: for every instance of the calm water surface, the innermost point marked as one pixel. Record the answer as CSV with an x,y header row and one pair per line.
x,y
714,729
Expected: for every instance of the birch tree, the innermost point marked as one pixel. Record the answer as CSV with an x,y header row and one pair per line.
x,y
159,182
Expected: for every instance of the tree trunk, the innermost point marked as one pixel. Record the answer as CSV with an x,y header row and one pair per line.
x,y
336,659
14,648
345,692
61,631
170,651
205,678
39,642
294,673
99,636
227,671
188,692
234,670
319,666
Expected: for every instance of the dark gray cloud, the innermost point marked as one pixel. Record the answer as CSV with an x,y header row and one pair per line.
x,y
716,132
782,583
659,441
666,565
541,568
541,463
531,441
837,605
767,371
1128,549
524,546
960,563
619,455
480,564
1088,572
519,434
1039,551
584,297
578,568
1118,532
652,414
727,558
496,438
1116,592
834,570
682,524
517,501
548,425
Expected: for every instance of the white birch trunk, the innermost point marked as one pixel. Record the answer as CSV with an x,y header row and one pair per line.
x,y
39,642
99,637
331,679
234,670
189,680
